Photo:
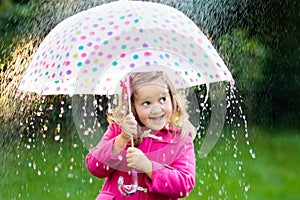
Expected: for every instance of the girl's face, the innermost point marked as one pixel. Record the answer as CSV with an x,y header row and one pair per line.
x,y
153,106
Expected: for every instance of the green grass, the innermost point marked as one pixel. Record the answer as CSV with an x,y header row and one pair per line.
x,y
276,170
57,170
51,171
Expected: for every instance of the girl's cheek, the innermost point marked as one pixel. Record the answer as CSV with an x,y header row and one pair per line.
x,y
144,110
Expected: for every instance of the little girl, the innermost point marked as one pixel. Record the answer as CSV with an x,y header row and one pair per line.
x,y
163,152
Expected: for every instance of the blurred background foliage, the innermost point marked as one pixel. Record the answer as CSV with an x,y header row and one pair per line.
x,y
259,41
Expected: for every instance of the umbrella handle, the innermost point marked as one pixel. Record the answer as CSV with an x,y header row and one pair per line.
x,y
133,187
128,93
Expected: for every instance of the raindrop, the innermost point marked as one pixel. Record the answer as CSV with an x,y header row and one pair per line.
x,y
216,176
120,157
57,138
247,188
68,195
90,180
70,175
252,153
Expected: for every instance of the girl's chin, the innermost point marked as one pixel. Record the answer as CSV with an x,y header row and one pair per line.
x,y
157,125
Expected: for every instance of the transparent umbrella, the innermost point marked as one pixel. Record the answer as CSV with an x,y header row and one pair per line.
x,y
91,51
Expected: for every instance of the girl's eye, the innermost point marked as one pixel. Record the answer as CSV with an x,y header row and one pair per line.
x,y
146,103
163,100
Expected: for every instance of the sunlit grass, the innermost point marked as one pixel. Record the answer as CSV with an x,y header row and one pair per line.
x,y
53,170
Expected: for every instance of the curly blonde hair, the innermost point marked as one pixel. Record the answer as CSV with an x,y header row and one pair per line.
x,y
137,80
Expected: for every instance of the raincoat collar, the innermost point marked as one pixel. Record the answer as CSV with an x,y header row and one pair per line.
x,y
168,134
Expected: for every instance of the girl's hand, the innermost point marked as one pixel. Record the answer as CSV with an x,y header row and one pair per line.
x,y
129,127
136,159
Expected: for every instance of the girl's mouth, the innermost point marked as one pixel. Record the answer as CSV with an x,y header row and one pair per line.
x,y
157,122
158,118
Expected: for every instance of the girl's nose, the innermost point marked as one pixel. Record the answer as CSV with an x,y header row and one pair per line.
x,y
156,109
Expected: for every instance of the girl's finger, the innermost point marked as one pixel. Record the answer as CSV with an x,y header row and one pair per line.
x,y
130,149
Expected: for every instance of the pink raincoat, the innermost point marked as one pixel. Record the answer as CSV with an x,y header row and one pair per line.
x,y
173,163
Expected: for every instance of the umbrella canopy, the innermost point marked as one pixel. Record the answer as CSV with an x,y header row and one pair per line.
x,y
90,52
